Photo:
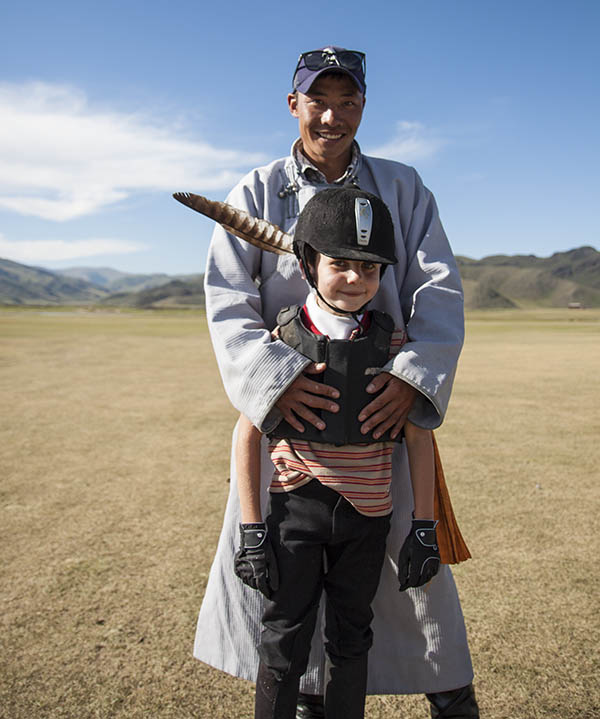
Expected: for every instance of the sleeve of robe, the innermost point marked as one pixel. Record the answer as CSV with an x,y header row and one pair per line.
x,y
255,369
431,298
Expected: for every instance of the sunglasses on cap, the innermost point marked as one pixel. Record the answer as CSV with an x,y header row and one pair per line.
x,y
351,60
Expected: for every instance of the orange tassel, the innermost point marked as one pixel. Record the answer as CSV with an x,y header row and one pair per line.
x,y
453,548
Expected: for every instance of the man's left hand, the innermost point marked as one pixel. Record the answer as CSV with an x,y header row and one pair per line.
x,y
390,409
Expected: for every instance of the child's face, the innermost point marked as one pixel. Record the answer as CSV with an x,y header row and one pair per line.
x,y
347,284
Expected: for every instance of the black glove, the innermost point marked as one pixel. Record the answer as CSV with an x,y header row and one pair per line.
x,y
419,558
255,562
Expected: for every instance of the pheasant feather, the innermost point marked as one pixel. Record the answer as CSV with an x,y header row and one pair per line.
x,y
257,232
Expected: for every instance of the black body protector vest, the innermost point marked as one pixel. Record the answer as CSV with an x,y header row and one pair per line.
x,y
350,368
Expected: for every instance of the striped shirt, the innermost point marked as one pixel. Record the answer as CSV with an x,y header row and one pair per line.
x,y
362,473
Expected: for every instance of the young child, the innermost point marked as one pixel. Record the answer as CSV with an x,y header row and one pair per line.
x,y
330,501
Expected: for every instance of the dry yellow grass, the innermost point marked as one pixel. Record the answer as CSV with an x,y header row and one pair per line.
x,y
113,466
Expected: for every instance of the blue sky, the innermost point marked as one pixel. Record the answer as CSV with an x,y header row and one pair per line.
x,y
108,107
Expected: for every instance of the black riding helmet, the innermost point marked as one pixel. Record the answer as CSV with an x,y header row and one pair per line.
x,y
345,223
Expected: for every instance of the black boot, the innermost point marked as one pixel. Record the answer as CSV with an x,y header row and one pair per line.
x,y
275,697
455,704
310,706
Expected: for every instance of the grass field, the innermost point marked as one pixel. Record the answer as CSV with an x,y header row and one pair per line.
x,y
113,477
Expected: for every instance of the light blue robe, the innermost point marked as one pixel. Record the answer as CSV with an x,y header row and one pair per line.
x,y
420,642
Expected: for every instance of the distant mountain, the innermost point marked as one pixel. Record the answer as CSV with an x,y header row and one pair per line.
x,y
24,285
176,293
114,280
498,281
528,281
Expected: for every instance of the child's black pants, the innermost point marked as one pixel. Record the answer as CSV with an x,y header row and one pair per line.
x,y
321,543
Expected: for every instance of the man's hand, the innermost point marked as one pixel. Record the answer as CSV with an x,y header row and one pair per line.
x,y
305,393
390,409
419,558
255,562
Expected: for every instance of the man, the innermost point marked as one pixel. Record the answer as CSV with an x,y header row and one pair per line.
x,y
419,637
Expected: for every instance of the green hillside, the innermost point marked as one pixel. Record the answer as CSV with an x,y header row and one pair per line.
x,y
176,293
24,285
528,281
114,280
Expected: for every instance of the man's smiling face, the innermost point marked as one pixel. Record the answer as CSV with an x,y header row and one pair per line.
x,y
328,117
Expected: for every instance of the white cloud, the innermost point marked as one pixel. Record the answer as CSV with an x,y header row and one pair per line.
x,y
33,251
412,142
61,159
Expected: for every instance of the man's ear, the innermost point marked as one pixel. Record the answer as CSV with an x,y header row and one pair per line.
x,y
292,100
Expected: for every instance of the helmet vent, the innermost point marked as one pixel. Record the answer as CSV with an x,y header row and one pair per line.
x,y
364,220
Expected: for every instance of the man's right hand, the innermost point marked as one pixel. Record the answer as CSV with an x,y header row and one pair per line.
x,y
303,395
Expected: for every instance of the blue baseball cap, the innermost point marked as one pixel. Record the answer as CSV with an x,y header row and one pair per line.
x,y
314,63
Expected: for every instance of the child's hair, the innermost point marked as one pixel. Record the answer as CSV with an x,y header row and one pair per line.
x,y
310,257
